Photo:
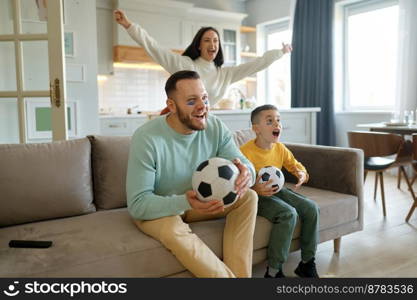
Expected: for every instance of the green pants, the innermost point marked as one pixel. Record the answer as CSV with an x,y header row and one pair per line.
x,y
282,210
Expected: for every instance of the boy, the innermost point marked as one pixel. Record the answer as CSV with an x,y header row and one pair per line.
x,y
282,208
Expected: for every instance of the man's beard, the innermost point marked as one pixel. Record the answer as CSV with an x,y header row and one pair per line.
x,y
186,120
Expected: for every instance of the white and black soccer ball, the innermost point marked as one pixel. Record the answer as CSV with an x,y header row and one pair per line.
x,y
271,172
215,179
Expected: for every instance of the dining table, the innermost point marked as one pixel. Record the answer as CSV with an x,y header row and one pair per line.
x,y
399,128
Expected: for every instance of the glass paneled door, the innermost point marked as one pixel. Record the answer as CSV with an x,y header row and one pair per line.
x,y
32,66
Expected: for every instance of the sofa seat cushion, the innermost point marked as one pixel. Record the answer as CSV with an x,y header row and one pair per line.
x,y
108,244
335,209
104,244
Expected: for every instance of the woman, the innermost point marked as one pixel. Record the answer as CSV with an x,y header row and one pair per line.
x,y
204,55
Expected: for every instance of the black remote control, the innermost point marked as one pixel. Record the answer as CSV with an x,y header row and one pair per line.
x,y
29,244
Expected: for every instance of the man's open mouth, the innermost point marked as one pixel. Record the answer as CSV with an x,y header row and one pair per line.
x,y
200,116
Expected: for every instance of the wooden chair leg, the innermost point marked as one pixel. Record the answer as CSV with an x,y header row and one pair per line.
x,y
376,185
410,213
410,188
384,211
399,178
413,180
336,244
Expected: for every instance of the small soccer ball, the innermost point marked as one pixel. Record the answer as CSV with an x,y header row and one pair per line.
x,y
270,172
215,179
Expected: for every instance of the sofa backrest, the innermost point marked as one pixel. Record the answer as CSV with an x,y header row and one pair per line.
x,y
109,161
45,181
243,136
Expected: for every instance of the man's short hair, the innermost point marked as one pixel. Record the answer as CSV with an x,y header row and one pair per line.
x,y
254,116
171,83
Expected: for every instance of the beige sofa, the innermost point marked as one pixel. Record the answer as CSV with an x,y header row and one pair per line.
x,y
73,193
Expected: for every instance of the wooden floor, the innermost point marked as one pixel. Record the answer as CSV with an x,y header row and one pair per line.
x,y
387,247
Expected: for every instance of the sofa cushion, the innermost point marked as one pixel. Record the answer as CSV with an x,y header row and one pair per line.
x,y
109,158
45,181
336,209
108,244
243,136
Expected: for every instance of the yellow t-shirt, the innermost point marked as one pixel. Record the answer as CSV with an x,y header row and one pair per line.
x,y
278,156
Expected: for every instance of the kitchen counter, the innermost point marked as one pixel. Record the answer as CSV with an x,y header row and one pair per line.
x,y
123,116
299,124
213,111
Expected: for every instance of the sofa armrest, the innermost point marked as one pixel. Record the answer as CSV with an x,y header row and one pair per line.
x,y
332,168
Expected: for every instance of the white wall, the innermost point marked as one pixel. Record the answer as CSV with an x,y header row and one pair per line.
x,y
81,17
226,5
260,11
347,121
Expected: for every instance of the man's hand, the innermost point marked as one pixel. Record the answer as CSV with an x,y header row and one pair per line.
x,y
121,18
210,208
243,181
302,177
286,48
262,189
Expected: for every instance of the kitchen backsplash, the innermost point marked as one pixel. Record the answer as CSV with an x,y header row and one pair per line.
x,y
130,87
142,89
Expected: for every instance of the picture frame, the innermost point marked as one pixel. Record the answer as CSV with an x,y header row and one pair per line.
x,y
69,43
38,118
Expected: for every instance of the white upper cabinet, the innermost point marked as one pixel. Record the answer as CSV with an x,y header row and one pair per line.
x,y
163,20
173,24
104,36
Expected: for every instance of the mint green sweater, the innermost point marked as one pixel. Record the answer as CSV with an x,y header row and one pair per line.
x,y
162,162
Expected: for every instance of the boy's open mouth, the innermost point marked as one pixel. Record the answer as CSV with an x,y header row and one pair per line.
x,y
275,133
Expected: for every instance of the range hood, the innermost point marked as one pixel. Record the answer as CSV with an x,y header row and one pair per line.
x,y
133,54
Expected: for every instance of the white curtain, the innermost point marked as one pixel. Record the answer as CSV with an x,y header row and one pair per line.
x,y
407,55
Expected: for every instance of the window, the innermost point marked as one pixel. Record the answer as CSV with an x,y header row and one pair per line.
x,y
370,55
278,76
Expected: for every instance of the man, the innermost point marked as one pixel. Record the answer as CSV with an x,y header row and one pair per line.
x,y
163,155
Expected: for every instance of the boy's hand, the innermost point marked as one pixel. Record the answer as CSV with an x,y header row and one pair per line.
x,y
209,208
121,18
243,180
262,189
302,177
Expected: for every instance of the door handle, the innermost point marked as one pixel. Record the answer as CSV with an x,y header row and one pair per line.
x,y
55,93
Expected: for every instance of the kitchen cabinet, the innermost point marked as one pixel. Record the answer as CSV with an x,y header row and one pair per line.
x,y
173,24
121,125
299,124
166,29
104,19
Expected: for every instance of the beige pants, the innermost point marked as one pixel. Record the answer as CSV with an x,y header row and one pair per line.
x,y
175,234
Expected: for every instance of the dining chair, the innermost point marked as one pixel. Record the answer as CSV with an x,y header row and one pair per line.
x,y
382,151
414,164
404,158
